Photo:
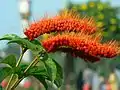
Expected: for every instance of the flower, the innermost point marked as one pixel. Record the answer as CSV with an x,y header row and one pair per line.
x,y
74,35
65,21
82,45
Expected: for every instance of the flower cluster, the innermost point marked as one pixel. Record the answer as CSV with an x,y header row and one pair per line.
x,y
60,23
83,45
74,35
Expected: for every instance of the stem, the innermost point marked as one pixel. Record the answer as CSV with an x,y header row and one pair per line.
x,y
16,83
20,58
33,63
18,62
9,82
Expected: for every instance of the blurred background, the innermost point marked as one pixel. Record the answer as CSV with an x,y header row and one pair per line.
x,y
15,15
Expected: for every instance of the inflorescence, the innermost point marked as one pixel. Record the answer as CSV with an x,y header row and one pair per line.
x,y
66,21
74,35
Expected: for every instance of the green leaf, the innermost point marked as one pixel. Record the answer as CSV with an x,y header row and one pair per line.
x,y
42,80
25,43
36,70
10,60
43,56
9,37
4,72
36,42
18,71
51,69
19,41
23,66
39,72
59,76
36,46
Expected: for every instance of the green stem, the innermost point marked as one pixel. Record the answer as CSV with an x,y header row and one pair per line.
x,y
9,82
16,83
20,58
33,63
18,62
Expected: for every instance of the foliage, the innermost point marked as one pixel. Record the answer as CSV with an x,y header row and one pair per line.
x,y
105,15
48,70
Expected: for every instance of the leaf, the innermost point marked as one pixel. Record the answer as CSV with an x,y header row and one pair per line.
x,y
10,60
25,43
43,56
36,70
51,69
37,46
36,42
4,72
59,76
42,80
19,41
39,72
18,71
9,37
23,66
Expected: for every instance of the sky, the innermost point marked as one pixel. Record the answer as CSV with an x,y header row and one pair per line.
x,y
10,16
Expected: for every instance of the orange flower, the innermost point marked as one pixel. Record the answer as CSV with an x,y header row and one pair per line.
x,y
65,21
77,36
81,45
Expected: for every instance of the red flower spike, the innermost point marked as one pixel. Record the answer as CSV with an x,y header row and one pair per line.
x,y
66,21
89,46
